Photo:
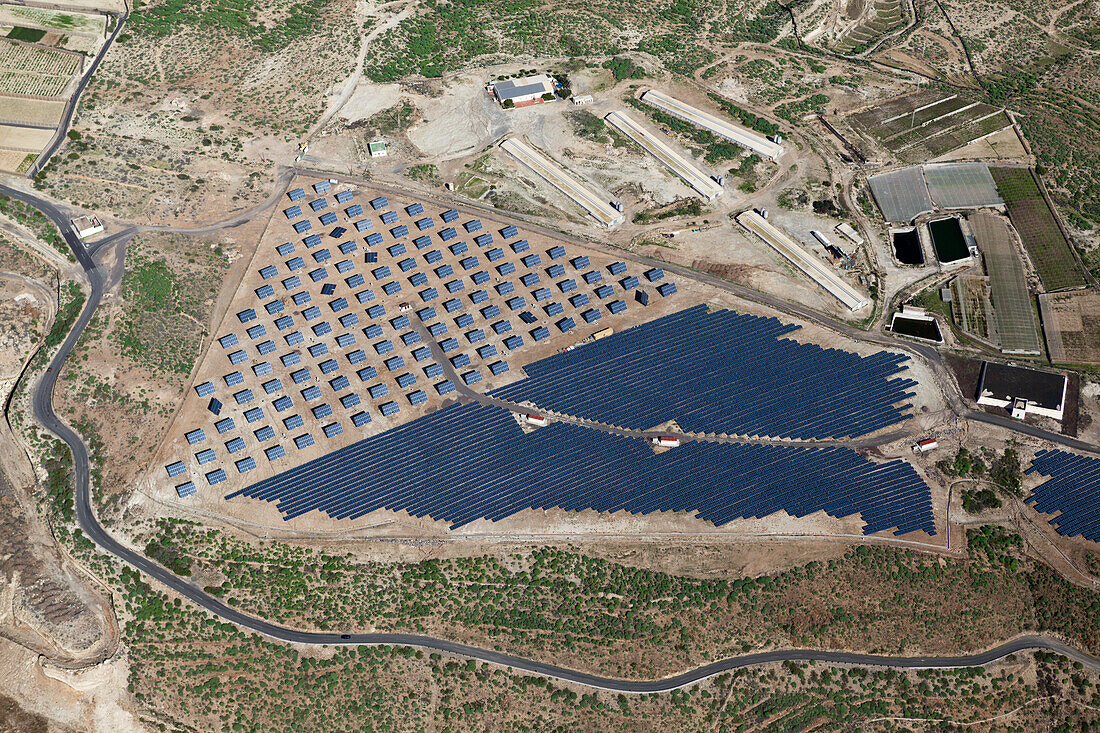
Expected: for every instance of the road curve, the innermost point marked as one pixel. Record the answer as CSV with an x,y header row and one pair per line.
x,y
43,409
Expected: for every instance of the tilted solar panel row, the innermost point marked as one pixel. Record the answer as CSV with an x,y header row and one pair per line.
x,y
1073,490
501,470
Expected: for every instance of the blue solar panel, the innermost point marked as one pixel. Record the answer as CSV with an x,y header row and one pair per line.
x,y
275,306
312,240
592,277
318,204
265,291
216,476
328,218
556,251
520,246
204,389
303,226
238,357
195,436
245,465
303,441
236,445
530,278
273,385
449,215
666,289
322,187
360,419
205,456
498,367
264,433
616,306
186,489
225,425
228,340
391,288
483,240
378,390
513,342
321,411
503,470
176,469
274,452
555,270
296,194
292,422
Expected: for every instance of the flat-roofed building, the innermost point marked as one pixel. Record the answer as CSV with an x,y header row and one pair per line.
x,y
1022,391
523,92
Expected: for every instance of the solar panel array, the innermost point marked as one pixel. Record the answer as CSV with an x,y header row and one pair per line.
x,y
1073,490
720,372
325,338
499,470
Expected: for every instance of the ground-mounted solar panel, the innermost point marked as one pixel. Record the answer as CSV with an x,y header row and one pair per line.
x,y
417,279
228,340
177,468
454,286
428,294
471,377
542,294
238,357
225,425
399,231
391,288
275,306
374,239
312,240
437,329
502,327
555,270
328,219
235,445
342,197
666,289
540,333
364,225
322,187
373,330
394,363
426,314
296,194
354,210
433,370
256,331
348,247
195,436
205,456
604,291
186,489
460,360
367,373
205,389
284,249
459,248
531,260
339,383
283,403
421,353
304,440
463,320
410,338
513,342
264,433
405,380
319,204
244,465
360,419
591,315
318,274
303,226
321,329
468,263
448,345
447,234
292,282
616,306
553,309
422,241
389,408
244,396
417,397
578,300
294,338
265,291
272,386
233,379
216,476
641,296
566,324
486,351
629,283
483,240
321,411
214,406
449,215
376,311
509,231
520,246
592,277
378,390
311,313
345,340
275,452
322,255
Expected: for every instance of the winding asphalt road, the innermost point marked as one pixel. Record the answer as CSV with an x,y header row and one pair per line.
x,y
43,409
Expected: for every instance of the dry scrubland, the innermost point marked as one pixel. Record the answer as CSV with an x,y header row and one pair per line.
x,y
577,610
122,383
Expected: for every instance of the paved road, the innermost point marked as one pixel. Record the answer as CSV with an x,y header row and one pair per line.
x,y
43,409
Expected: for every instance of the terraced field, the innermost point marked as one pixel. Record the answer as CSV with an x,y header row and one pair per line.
x,y
1047,246
31,70
886,16
919,127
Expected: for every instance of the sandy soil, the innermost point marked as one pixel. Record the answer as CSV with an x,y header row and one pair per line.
x,y
28,139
